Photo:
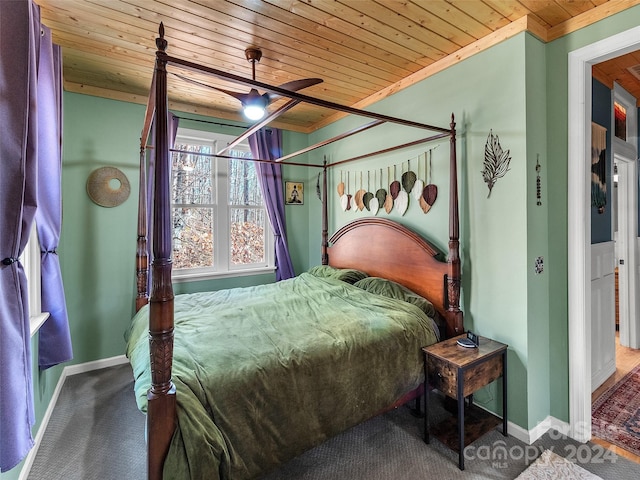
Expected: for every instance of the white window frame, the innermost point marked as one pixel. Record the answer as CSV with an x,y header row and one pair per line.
x,y
30,260
222,211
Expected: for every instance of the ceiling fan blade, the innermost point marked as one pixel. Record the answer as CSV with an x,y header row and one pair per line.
x,y
294,86
239,96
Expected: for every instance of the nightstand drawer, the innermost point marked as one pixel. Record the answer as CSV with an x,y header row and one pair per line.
x,y
482,374
443,376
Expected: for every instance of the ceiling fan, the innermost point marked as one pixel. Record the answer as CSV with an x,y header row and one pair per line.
x,y
254,104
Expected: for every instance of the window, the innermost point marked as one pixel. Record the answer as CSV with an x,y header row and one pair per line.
x,y
220,224
30,260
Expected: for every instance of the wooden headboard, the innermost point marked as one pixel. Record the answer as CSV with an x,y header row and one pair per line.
x,y
384,248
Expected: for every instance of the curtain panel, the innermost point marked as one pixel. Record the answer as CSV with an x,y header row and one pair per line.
x,y
30,150
19,43
267,144
54,342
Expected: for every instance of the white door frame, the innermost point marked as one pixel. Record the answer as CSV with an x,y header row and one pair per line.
x,y
579,221
627,198
625,154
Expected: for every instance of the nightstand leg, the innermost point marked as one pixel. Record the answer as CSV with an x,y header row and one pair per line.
x,y
426,400
461,418
504,393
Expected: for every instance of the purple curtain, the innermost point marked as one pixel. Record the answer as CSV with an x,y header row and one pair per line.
x,y
267,144
19,43
173,123
54,338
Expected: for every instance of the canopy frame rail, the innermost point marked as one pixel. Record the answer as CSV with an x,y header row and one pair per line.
x,y
161,397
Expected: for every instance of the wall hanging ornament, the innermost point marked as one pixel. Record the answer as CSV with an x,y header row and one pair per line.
x,y
416,192
359,196
402,198
341,194
388,202
538,185
108,187
408,178
496,161
348,195
429,192
381,193
368,196
394,186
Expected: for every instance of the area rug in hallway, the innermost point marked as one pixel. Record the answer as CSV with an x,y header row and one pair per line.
x,y
615,415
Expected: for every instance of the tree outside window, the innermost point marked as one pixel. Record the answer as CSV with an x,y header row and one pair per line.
x,y
219,218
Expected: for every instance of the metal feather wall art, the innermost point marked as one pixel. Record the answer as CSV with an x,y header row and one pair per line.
x,y
496,161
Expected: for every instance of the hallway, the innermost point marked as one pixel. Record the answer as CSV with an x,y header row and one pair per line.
x,y
626,360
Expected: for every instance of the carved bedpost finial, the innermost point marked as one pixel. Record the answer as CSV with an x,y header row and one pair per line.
x,y
161,43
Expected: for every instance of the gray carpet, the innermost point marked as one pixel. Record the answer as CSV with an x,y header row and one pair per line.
x,y
96,432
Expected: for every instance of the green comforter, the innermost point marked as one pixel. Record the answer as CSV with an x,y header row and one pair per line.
x,y
264,373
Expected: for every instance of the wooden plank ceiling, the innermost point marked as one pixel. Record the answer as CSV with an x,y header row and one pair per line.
x,y
363,50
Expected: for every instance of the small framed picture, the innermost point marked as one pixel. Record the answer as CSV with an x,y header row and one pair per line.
x,y
294,193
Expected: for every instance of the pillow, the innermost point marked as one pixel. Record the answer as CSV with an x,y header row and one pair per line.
x,y
388,288
349,275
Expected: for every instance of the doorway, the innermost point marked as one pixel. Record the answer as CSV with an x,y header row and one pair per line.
x,y
579,224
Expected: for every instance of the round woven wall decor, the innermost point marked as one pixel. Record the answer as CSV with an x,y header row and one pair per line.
x,y
108,187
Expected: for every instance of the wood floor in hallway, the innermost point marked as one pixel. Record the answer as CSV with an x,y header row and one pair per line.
x,y
626,360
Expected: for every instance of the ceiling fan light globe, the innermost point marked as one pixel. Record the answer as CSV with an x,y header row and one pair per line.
x,y
254,112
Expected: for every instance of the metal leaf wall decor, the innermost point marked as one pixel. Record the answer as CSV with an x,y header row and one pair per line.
x,y
496,161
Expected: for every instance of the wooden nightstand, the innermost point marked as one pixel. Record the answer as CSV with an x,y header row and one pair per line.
x,y
458,372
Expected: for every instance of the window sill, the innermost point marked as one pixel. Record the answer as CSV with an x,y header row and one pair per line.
x,y
187,277
36,321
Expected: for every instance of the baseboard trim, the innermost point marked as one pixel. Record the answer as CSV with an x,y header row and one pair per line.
x,y
549,423
530,436
66,372
95,365
603,374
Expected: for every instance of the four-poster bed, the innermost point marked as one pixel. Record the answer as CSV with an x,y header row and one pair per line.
x,y
398,255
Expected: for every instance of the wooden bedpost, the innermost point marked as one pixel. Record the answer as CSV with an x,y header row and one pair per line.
x,y
455,324
142,250
142,254
161,398
325,227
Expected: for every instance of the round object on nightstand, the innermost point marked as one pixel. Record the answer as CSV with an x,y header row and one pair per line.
x,y
108,187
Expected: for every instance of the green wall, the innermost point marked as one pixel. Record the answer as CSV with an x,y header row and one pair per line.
x,y
97,244
538,366
493,230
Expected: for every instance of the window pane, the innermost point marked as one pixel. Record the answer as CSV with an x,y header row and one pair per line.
x,y
247,236
192,237
192,176
243,181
